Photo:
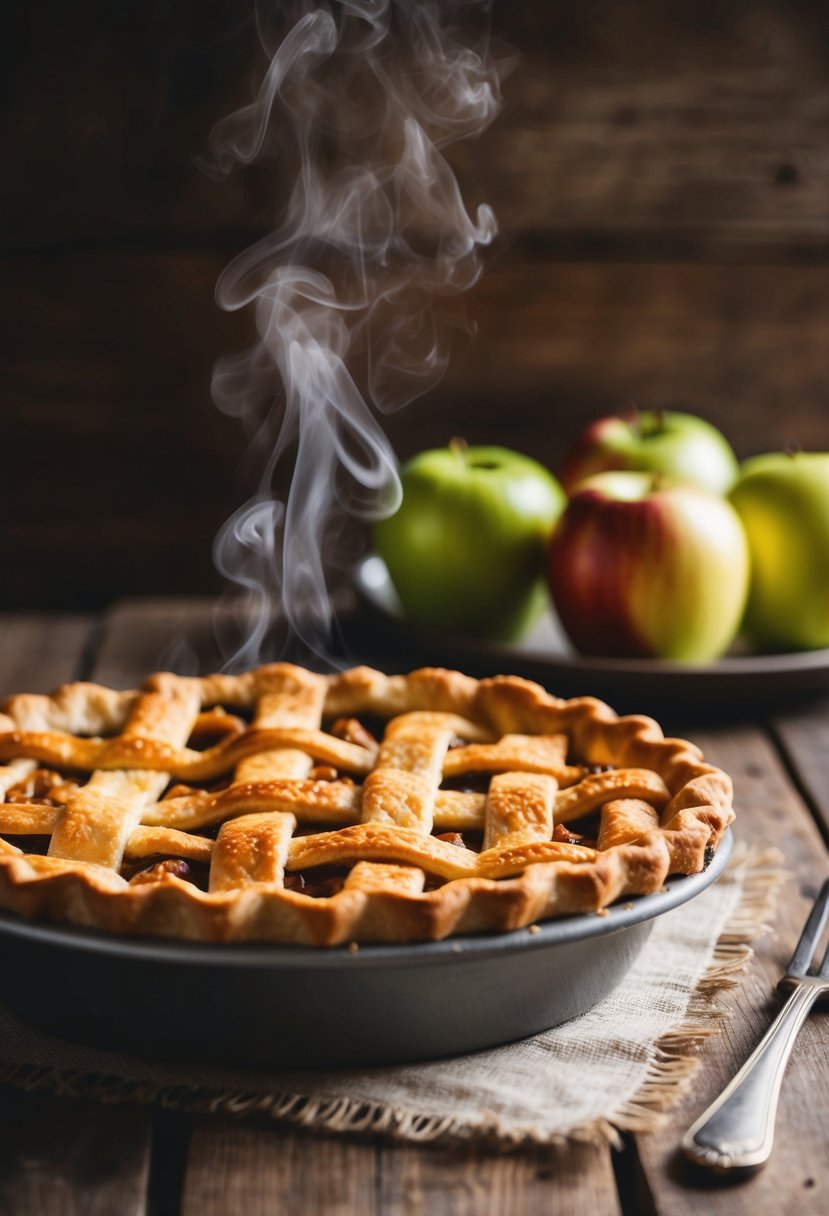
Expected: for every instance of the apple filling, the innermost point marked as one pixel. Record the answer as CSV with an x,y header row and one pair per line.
x,y
51,789
44,787
176,840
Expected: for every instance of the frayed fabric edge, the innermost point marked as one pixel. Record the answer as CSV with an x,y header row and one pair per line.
x,y
335,1115
669,1075
675,1063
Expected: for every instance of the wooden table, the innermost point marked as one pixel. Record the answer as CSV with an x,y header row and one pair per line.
x,y
66,1156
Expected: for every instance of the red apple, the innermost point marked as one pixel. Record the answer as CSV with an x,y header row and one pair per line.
x,y
641,567
680,446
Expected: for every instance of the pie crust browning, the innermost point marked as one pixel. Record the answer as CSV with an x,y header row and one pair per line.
x,y
262,807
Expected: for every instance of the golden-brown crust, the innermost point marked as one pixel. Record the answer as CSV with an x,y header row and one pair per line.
x,y
378,821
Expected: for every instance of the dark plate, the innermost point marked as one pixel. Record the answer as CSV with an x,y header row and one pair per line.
x,y
628,684
296,1007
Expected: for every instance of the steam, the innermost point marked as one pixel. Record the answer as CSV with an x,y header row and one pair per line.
x,y
359,99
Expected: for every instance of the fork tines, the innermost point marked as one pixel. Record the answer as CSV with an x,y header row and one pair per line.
x,y
805,948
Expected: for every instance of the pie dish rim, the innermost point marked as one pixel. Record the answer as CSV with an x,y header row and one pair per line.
x,y
678,890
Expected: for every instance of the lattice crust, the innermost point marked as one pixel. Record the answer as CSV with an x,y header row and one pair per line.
x,y
167,813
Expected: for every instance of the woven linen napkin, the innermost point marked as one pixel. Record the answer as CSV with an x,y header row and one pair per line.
x,y
617,1066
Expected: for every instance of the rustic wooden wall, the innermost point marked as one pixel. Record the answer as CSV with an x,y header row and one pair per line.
x,y
660,172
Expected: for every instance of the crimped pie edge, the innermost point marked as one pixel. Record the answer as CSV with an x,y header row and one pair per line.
x,y
699,811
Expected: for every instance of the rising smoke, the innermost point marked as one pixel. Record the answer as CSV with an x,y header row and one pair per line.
x,y
350,290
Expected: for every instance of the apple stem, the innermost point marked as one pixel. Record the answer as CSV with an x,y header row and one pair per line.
x,y
459,447
792,448
659,419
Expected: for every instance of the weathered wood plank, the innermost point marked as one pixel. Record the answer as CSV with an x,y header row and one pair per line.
x,y
769,813
558,344
142,636
123,398
135,480
468,1181
185,636
743,344
240,1170
703,124
802,733
63,1157
37,653
661,128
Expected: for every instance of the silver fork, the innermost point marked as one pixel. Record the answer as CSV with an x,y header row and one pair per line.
x,y
736,1132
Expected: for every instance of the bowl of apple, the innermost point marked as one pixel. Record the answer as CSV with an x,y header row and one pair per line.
x,y
654,570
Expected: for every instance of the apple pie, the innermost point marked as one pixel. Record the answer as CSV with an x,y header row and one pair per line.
x,y
281,805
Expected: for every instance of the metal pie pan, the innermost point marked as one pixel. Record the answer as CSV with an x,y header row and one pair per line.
x,y
299,1007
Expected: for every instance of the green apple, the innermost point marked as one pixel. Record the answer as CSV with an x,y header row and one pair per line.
x,y
680,446
642,567
783,501
465,549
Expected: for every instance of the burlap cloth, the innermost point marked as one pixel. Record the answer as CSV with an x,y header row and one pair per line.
x,y
618,1067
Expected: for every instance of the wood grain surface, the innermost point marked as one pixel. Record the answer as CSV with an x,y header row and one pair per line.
x,y
697,127
803,737
264,1169
70,1158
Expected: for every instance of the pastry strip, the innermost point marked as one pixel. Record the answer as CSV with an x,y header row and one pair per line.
x,y
396,856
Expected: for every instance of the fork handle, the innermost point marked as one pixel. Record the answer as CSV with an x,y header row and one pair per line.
x,y
736,1132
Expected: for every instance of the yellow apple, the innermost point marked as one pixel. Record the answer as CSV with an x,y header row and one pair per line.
x,y
783,501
